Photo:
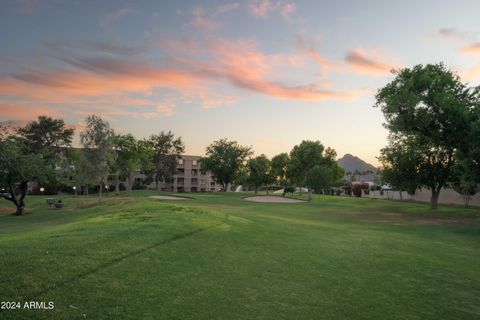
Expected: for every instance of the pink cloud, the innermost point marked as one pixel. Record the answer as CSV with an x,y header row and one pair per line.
x,y
471,74
260,8
112,86
204,23
472,49
287,10
326,65
15,111
361,62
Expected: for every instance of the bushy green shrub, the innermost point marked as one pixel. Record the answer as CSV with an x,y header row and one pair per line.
x,y
288,190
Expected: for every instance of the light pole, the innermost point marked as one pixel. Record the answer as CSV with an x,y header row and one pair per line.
x,y
42,189
75,189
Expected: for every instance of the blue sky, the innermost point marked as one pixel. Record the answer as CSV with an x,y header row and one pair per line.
x,y
265,73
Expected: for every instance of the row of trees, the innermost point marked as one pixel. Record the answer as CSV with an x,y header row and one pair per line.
x,y
42,152
434,124
309,164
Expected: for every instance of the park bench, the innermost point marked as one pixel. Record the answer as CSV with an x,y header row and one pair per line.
x,y
57,204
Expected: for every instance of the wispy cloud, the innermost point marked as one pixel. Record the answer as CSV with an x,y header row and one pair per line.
x,y
472,73
109,20
260,8
207,19
287,10
363,62
456,35
473,48
263,8
326,65
18,111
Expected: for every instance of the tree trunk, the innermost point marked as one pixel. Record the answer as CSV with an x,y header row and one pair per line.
x,y
466,198
157,184
401,196
309,194
117,184
256,190
100,192
19,202
434,198
130,179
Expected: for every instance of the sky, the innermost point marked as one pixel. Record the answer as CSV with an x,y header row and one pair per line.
x,y
266,73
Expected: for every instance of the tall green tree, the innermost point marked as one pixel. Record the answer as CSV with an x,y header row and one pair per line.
x,y
46,135
313,166
166,151
400,169
225,159
428,111
51,139
97,140
130,154
259,172
279,167
18,167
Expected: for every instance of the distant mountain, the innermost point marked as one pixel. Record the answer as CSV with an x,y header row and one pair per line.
x,y
351,163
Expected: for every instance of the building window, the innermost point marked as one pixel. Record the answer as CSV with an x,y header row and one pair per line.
x,y
180,161
202,182
194,162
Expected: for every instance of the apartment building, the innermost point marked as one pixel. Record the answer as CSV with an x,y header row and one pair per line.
x,y
189,178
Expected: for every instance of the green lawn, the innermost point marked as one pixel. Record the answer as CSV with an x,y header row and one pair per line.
x,y
218,256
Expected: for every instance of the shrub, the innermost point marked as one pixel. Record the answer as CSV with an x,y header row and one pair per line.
x,y
138,185
288,190
357,190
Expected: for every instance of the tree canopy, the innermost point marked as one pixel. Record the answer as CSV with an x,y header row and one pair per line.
x,y
313,166
429,113
130,155
97,140
166,150
259,172
225,159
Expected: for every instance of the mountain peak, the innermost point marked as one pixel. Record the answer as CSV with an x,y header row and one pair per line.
x,y
351,163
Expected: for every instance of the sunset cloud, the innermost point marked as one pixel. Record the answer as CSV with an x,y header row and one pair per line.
x,y
326,65
15,111
361,62
111,83
473,48
260,8
287,10
472,73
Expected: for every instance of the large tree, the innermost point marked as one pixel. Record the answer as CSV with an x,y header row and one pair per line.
x,y
46,135
279,165
225,159
51,139
166,151
259,172
313,166
18,167
97,140
428,111
403,175
130,154
32,153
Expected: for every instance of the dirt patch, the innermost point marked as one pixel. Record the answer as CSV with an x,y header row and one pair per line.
x,y
168,198
273,199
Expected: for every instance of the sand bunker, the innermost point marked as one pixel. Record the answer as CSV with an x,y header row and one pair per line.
x,y
168,198
273,199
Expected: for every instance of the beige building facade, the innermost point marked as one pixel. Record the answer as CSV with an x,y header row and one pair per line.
x,y
189,178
